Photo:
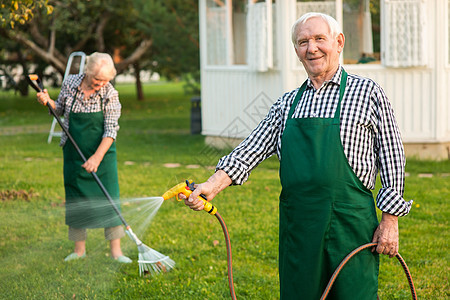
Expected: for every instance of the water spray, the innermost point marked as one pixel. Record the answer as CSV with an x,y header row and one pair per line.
x,y
150,260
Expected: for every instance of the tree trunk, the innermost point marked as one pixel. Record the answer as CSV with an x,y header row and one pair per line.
x,y
137,74
23,83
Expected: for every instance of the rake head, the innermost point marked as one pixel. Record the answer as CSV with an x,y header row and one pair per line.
x,y
150,261
153,262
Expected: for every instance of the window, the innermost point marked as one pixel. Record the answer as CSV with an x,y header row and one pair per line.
x,y
226,32
240,32
261,35
361,26
404,33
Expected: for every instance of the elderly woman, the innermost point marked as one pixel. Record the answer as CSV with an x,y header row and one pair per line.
x,y
91,109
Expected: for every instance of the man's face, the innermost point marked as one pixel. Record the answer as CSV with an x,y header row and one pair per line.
x,y
317,48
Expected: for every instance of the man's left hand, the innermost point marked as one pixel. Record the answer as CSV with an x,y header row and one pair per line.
x,y
386,235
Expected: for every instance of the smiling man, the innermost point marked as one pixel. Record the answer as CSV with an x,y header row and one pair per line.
x,y
332,136
318,46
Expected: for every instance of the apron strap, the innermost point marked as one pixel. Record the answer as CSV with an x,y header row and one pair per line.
x,y
302,89
75,99
337,114
297,98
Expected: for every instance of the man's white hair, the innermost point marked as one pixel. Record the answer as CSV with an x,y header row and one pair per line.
x,y
335,29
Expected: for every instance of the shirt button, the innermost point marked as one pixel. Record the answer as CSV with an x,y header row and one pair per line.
x,y
314,115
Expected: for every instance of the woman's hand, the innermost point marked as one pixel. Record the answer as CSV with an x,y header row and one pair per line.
x,y
91,165
44,98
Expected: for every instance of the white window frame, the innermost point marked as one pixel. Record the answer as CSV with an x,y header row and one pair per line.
x,y
447,33
262,39
229,55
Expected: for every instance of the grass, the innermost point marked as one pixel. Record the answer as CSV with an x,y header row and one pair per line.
x,y
153,133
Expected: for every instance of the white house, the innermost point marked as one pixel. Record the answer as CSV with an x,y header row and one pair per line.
x,y
248,61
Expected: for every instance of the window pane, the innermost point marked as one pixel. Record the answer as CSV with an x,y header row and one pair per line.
x,y
216,32
239,31
261,35
362,31
226,32
322,6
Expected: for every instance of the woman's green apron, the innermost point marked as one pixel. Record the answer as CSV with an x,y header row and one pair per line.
x,y
325,212
86,205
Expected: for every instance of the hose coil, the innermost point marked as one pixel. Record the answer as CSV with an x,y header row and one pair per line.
x,y
333,277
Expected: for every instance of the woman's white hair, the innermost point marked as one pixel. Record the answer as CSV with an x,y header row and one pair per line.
x,y
100,64
335,29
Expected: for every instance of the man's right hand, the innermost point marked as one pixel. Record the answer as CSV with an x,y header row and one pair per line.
x,y
193,201
214,185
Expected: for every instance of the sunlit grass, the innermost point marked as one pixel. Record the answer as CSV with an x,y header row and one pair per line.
x,y
154,135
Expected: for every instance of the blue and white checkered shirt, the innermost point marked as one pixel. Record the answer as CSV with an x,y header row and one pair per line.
x,y
111,105
369,134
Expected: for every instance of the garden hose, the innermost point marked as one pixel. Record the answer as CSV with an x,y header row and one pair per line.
x,y
356,251
333,277
229,259
188,187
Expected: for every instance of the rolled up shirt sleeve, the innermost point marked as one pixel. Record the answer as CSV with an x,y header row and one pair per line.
x,y
112,113
391,160
390,201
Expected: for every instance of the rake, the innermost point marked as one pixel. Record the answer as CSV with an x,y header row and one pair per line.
x,y
150,260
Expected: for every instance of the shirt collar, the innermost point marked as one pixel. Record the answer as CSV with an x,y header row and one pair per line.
x,y
336,79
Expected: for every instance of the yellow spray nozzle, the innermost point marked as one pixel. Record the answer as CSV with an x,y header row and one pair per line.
x,y
187,188
174,191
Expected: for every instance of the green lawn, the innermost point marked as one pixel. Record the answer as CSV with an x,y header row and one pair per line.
x,y
153,133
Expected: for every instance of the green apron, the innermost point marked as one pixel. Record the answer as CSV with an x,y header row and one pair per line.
x,y
325,212
86,205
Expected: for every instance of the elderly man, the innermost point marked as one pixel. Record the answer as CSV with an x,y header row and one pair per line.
x,y
332,136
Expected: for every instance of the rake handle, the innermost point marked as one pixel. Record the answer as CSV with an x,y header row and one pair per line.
x,y
97,179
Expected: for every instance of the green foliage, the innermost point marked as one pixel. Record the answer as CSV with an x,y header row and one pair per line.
x,y
20,11
173,27
192,83
153,133
118,27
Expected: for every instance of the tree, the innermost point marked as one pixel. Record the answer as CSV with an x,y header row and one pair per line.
x,y
20,11
145,34
172,26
